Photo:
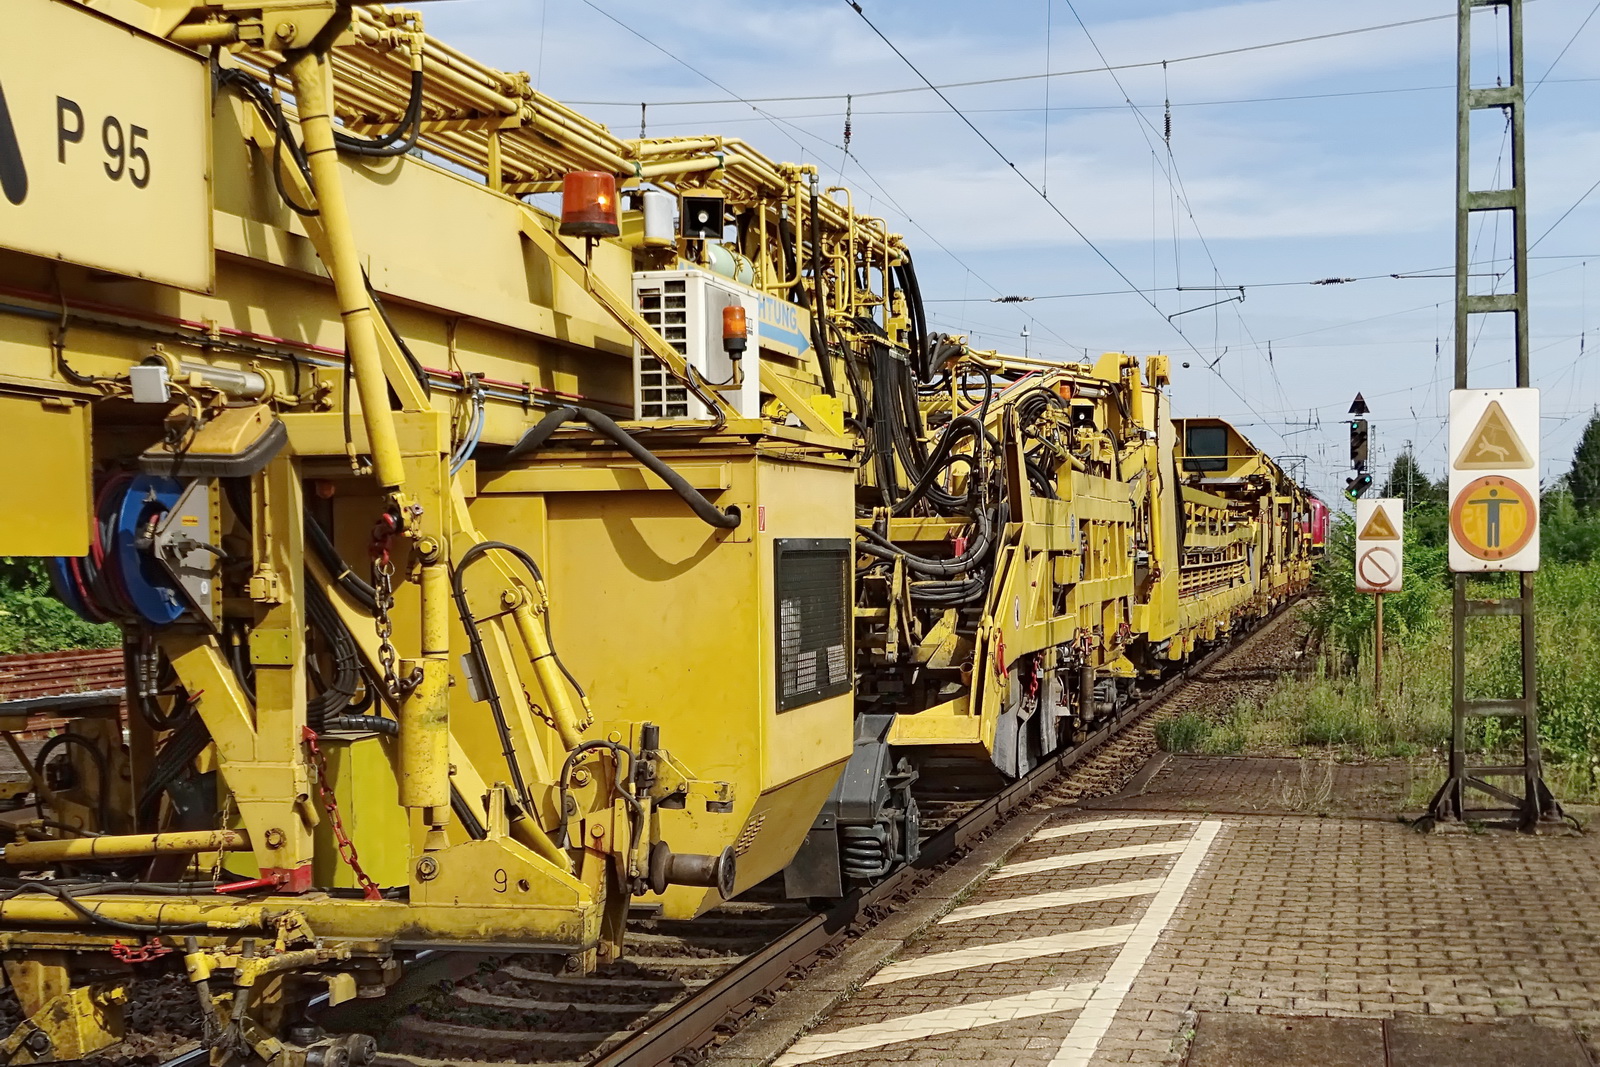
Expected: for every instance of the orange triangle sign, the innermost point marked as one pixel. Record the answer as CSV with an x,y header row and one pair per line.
x,y
1493,444
1379,527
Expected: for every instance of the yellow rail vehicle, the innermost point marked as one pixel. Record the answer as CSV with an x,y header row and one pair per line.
x,y
425,649
1063,540
483,569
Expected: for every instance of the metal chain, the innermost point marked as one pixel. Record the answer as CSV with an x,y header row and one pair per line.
x,y
383,602
222,824
383,596
150,950
330,804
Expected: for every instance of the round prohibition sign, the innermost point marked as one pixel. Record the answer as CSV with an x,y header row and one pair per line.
x,y
1494,517
1378,567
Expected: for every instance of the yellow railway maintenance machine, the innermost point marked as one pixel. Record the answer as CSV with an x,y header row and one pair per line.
x,y
1061,539
480,569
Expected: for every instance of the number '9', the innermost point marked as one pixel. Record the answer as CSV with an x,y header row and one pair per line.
x,y
124,153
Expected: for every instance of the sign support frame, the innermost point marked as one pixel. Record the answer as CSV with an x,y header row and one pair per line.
x,y
1535,806
1377,653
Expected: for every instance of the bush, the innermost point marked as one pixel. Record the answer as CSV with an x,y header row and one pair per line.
x,y
33,620
1183,733
1344,618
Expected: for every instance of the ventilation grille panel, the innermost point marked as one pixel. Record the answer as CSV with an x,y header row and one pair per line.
x,y
812,589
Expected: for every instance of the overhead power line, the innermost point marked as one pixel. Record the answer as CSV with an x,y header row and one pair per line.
x,y
927,85
1211,365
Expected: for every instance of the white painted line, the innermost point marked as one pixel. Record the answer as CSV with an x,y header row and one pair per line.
x,y
1058,899
1005,952
1050,833
1079,859
815,1047
1092,1023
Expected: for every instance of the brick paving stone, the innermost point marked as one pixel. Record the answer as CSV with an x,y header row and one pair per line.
x,y
1290,914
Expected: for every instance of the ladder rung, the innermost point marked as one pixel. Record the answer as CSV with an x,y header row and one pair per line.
x,y
1508,770
1503,606
1478,305
1498,96
1492,200
1485,709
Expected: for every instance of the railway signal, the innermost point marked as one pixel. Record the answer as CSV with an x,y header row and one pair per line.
x,y
1359,427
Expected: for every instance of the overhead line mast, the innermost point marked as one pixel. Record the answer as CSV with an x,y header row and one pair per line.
x,y
1536,804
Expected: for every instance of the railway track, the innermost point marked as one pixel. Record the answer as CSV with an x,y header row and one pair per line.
x,y
685,985
36,684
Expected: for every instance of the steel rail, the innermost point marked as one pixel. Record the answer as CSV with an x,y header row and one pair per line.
x,y
694,1021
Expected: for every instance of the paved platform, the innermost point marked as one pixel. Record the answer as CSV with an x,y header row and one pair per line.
x,y
1137,932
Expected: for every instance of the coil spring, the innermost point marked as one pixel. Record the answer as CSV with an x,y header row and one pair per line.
x,y
865,851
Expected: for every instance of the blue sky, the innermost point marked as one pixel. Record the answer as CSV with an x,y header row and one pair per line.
x,y
1331,158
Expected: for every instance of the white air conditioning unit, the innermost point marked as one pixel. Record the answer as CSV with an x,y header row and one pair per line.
x,y
685,308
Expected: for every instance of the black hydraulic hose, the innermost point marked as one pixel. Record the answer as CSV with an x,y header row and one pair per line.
x,y
375,723
959,427
876,544
480,660
340,691
358,589
814,236
397,142
617,750
181,750
919,309
819,329
101,766
262,97
917,320
949,594
89,915
466,816
1041,479
412,361
536,437
854,378
911,414
885,428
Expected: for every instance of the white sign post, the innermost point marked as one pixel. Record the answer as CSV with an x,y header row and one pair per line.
x,y
1494,480
1380,529
1380,566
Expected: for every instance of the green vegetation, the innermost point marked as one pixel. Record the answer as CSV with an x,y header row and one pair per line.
x,y
1328,707
33,620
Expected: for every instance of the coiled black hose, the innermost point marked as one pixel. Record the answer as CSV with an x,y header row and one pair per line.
x,y
101,767
959,428
536,437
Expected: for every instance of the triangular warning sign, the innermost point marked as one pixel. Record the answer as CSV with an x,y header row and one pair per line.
x,y
1379,527
1493,444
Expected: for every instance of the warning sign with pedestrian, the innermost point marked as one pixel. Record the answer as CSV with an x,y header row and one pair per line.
x,y
1494,480
1380,525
